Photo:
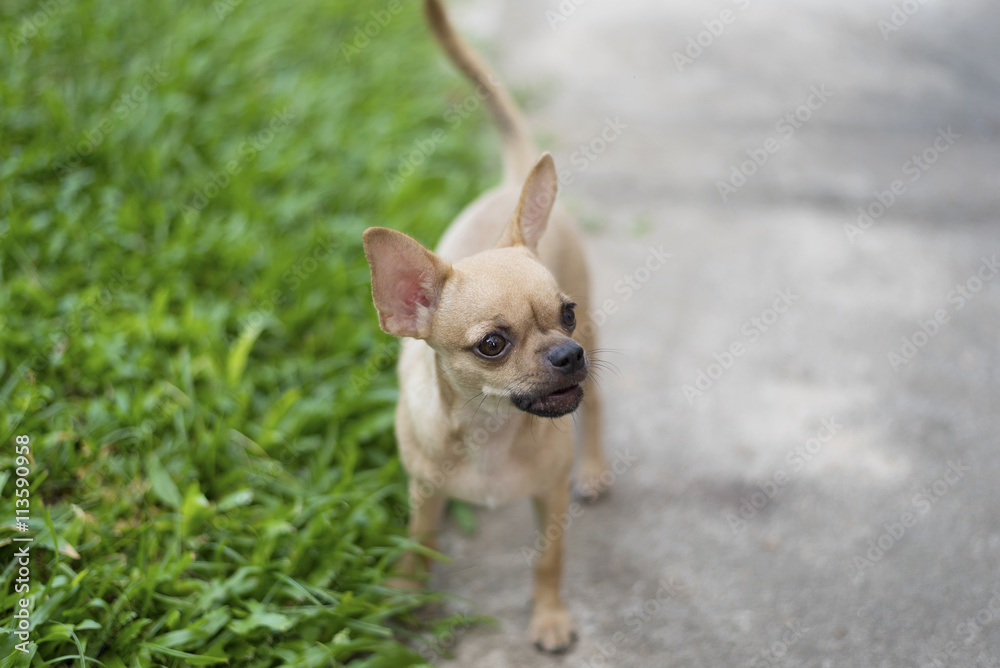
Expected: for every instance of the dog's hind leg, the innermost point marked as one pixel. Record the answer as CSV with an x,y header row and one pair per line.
x,y
425,515
591,476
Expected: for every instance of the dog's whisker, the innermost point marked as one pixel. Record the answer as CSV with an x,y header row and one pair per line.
x,y
604,365
485,396
473,398
598,369
601,351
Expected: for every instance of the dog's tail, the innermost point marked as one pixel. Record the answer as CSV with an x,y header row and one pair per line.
x,y
519,152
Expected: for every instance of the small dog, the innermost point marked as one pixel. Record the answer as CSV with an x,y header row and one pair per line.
x,y
497,316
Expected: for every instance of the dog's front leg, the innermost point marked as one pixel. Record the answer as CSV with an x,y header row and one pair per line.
x,y
425,513
551,627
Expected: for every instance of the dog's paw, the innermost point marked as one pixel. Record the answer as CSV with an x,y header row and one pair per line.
x,y
592,483
552,631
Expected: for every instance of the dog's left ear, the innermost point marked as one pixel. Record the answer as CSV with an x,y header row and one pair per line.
x,y
534,207
407,280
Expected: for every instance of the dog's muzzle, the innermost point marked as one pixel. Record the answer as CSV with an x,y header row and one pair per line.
x,y
568,365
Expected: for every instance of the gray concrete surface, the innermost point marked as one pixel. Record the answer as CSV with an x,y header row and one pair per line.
x,y
660,574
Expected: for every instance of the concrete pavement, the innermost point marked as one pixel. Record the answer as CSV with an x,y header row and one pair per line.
x,y
808,391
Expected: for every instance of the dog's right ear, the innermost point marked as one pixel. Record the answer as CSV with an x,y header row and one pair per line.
x,y
406,282
532,215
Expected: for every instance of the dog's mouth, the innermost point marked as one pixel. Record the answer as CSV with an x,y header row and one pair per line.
x,y
554,404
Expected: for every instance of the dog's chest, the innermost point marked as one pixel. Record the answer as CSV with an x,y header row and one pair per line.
x,y
490,488
492,471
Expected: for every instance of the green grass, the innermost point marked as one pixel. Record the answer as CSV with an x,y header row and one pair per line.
x,y
186,328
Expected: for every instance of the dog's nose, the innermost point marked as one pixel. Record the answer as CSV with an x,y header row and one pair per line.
x,y
568,357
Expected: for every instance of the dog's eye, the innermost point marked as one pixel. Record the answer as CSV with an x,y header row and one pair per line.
x,y
492,345
569,316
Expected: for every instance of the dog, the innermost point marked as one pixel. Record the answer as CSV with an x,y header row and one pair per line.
x,y
496,338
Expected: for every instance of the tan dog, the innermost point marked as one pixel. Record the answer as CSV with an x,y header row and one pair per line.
x,y
497,334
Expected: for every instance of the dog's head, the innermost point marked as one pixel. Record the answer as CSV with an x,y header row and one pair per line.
x,y
497,320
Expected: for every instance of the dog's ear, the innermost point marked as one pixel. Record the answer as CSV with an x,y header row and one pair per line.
x,y
406,282
534,207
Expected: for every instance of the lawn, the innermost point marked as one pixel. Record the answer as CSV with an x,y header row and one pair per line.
x,y
187,338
